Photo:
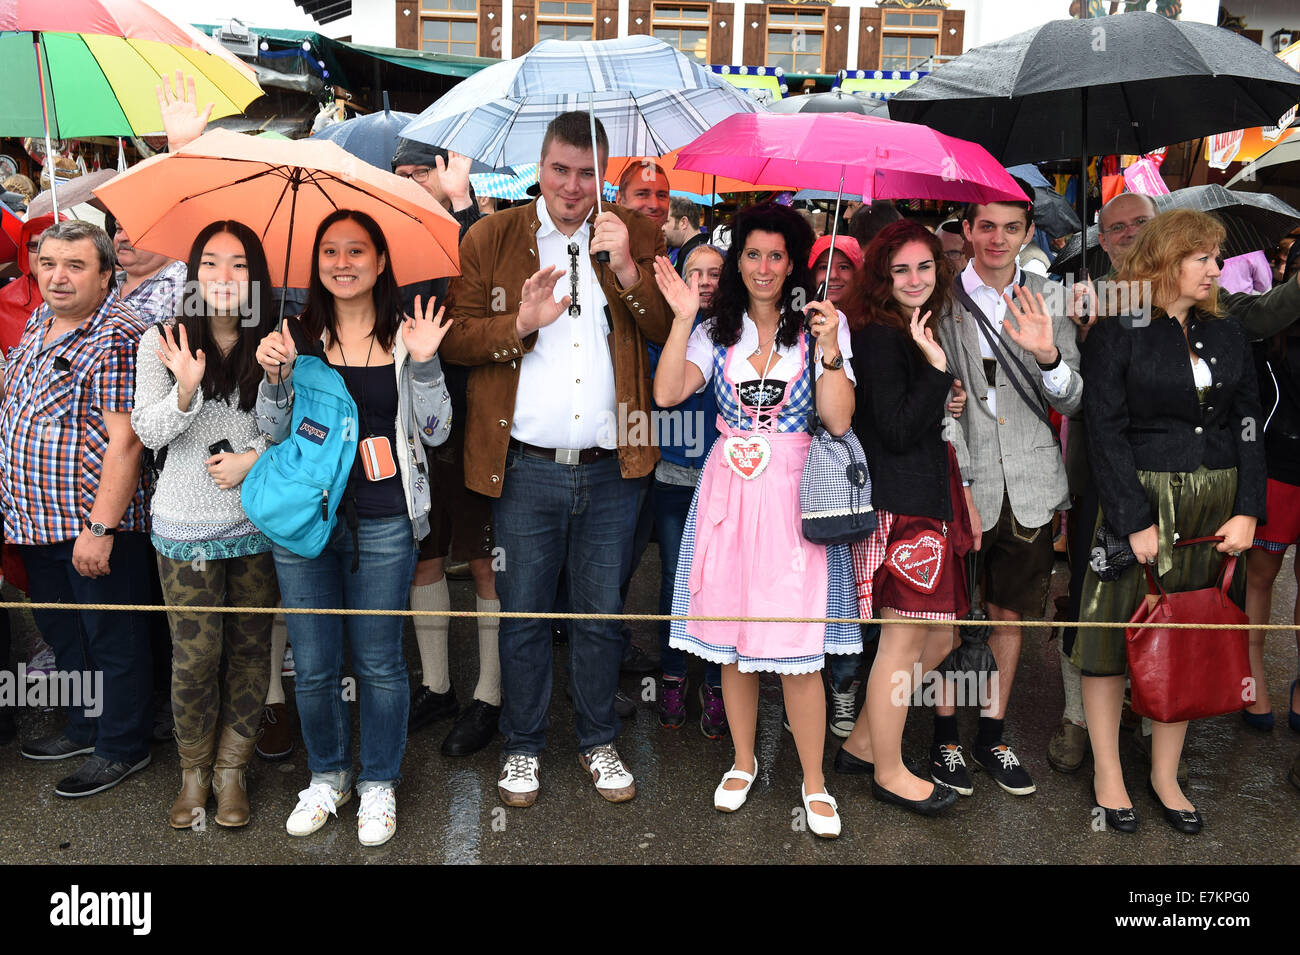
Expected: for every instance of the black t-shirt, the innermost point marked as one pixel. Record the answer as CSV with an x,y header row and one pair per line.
x,y
374,389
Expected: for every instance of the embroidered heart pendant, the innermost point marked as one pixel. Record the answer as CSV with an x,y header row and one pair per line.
x,y
748,457
917,562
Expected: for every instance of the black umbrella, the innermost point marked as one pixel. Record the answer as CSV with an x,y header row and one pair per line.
x,y
1122,84
1253,220
974,655
1052,213
836,101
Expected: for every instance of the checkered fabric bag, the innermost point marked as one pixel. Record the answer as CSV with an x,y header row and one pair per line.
x,y
835,490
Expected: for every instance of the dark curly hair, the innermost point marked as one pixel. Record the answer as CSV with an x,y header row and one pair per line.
x,y
870,300
732,298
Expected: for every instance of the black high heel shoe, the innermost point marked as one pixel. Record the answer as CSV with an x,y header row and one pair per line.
x,y
1188,823
1121,820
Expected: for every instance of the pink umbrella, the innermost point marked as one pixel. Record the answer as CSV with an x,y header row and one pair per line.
x,y
850,153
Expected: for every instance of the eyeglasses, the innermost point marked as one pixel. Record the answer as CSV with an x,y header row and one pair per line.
x,y
420,174
574,310
1119,228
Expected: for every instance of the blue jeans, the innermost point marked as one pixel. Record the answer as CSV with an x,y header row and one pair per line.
x,y
672,502
580,519
114,643
382,582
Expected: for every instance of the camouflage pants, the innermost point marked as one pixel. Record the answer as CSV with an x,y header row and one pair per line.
x,y
232,650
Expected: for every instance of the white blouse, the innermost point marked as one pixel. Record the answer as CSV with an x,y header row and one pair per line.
x,y
699,352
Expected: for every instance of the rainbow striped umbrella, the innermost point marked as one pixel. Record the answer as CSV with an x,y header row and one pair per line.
x,y
75,68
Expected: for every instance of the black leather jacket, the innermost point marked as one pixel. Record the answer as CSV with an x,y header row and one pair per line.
x,y
1143,414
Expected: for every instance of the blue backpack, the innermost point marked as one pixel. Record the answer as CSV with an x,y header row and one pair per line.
x,y
293,491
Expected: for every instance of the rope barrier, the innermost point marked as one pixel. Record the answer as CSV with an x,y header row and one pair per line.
x,y
651,617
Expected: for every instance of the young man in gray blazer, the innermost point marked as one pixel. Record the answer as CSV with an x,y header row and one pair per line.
x,y
1009,456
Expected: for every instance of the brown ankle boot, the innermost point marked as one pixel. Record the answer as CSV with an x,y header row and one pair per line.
x,y
196,781
233,753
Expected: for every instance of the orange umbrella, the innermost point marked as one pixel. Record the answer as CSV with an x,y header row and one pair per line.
x,y
685,180
281,189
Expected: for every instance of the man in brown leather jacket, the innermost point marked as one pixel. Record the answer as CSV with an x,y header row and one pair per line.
x,y
559,432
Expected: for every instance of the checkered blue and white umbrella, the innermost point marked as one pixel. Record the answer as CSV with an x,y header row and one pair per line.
x,y
650,98
502,185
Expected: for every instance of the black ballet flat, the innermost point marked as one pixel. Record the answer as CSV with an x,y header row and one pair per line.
x,y
849,765
939,800
1120,820
1188,823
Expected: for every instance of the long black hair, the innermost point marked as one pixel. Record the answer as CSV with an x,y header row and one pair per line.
x,y
319,316
237,370
732,298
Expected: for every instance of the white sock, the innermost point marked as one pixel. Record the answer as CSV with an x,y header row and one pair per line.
x,y
1072,680
279,640
489,659
431,634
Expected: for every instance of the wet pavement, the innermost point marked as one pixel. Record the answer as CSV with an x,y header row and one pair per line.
x,y
448,810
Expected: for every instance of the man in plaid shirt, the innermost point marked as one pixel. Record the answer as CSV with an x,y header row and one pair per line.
x,y
74,503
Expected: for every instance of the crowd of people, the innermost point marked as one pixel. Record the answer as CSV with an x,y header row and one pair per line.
x,y
494,419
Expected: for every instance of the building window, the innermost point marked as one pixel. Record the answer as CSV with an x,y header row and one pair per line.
x,y
449,26
684,28
909,41
795,39
565,20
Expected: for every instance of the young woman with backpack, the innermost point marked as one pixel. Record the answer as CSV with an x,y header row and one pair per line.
x,y
389,363
196,384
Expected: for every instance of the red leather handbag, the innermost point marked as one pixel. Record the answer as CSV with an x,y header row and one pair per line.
x,y
1178,675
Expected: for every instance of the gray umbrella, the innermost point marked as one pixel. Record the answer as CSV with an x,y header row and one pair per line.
x,y
373,138
1253,220
1276,166
836,101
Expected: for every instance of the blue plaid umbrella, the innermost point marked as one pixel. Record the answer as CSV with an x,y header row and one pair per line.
x,y
502,185
650,98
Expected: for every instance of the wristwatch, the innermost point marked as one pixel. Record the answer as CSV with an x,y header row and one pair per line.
x,y
99,530
835,364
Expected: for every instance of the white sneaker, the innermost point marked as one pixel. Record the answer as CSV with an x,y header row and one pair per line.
x,y
316,804
612,779
729,800
287,667
844,709
518,784
377,817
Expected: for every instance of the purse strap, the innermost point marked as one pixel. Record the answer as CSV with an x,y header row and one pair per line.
x,y
1226,572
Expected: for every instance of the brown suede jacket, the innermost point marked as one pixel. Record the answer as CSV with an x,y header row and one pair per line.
x,y
497,256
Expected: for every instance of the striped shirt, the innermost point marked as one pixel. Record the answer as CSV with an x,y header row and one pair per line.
x,y
52,431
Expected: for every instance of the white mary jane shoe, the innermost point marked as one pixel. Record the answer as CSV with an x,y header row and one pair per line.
x,y
826,827
729,800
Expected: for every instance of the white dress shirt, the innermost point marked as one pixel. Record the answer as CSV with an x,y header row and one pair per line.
x,y
994,307
566,383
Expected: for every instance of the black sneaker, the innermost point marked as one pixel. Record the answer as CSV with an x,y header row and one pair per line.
x,y
1001,763
624,705
57,746
428,707
96,775
948,766
473,729
636,660
671,705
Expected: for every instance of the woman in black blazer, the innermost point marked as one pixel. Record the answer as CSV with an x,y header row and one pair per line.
x,y
908,567
1172,413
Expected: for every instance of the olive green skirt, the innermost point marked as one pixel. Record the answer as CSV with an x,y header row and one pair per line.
x,y
1189,505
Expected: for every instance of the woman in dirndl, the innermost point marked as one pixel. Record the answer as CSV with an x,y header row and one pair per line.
x,y
912,566
1172,409
774,371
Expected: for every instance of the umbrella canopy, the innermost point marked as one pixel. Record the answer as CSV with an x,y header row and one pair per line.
x,y
1252,220
371,138
686,180
1271,168
282,191
862,155
835,101
72,193
99,63
1123,84
649,97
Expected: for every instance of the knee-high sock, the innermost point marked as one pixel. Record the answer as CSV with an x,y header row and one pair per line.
x,y
1072,680
279,640
431,634
489,659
